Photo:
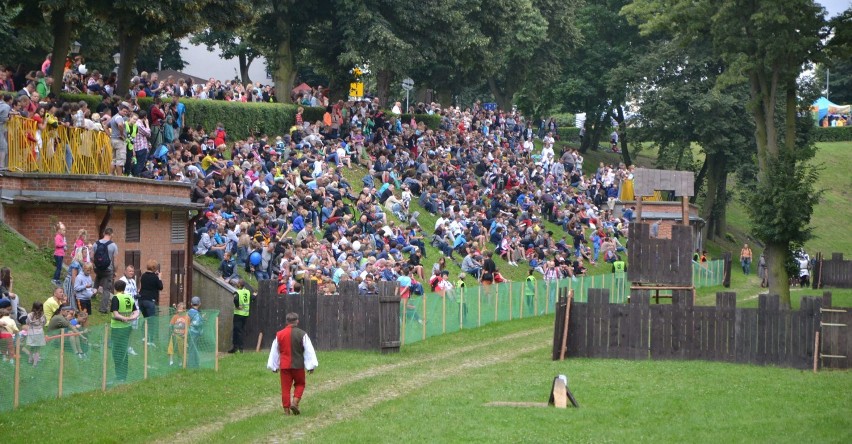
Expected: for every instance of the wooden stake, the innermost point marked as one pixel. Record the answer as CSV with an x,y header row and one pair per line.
x,y
17,374
61,358
444,313
259,340
145,352
185,346
510,300
105,360
479,308
461,308
816,351
535,300
547,301
496,300
685,209
424,316
404,317
565,328
216,349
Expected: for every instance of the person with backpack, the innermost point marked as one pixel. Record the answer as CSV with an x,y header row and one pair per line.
x,y
104,263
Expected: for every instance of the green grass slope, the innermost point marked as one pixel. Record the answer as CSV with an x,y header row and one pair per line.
x,y
32,268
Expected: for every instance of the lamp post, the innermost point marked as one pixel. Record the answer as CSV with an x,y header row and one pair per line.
x,y
117,59
75,47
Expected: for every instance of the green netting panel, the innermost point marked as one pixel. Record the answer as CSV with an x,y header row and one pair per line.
x,y
86,361
470,308
412,319
454,312
435,314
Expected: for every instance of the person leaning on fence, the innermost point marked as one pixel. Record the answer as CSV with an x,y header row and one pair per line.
x,y
60,323
177,329
196,329
291,355
5,112
242,306
124,311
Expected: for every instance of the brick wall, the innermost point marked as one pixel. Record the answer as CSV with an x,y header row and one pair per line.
x,y
103,184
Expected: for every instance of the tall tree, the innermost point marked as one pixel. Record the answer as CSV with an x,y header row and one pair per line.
x,y
764,44
241,42
160,53
174,18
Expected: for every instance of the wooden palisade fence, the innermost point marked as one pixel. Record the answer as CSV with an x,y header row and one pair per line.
x,y
345,320
767,335
835,272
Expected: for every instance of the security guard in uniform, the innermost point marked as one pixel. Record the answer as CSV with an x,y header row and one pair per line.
x,y
459,287
529,290
242,304
124,312
619,267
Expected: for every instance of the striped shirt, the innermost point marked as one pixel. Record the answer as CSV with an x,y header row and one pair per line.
x,y
140,142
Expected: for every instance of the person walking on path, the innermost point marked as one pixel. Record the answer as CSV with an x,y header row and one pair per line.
x,y
242,305
291,355
745,259
124,311
60,244
104,262
150,287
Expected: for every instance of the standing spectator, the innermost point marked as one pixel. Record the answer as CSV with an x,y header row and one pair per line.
x,y
124,312
118,139
149,297
84,289
36,322
141,146
59,247
761,271
177,326
104,262
242,306
5,111
745,259
196,329
8,330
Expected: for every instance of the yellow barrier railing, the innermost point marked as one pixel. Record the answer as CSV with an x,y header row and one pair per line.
x,y
60,150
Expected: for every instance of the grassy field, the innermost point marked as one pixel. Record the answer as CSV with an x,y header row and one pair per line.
x,y
437,391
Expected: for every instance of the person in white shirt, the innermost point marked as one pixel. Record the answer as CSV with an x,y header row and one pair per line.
x,y
291,355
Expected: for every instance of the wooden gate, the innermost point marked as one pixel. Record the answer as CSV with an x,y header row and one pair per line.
x,y
177,277
835,335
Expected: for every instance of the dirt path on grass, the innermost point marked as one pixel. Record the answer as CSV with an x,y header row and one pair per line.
x,y
271,403
355,406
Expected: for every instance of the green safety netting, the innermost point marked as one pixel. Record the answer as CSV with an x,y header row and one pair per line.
x,y
101,357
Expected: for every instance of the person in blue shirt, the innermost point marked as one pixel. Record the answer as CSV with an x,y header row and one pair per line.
x,y
298,222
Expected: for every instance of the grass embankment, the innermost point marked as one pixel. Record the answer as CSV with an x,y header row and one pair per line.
x,y
436,390
32,270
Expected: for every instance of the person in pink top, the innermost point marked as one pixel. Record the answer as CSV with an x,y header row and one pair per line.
x,y
59,247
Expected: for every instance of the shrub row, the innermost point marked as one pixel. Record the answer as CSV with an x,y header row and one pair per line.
x,y
432,121
834,134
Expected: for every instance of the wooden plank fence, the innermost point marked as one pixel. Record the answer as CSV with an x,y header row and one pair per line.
x,y
767,335
835,272
342,321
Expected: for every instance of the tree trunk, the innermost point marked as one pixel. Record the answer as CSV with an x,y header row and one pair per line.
x,y
503,97
779,281
721,214
715,200
699,181
285,64
444,96
244,68
622,127
383,78
129,40
61,43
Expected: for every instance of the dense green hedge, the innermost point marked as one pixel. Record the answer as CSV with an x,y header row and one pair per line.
x,y
569,134
834,134
432,121
240,119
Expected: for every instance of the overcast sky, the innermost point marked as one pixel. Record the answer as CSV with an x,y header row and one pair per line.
x,y
204,64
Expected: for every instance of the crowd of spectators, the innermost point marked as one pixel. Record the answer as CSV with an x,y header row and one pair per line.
x,y
284,209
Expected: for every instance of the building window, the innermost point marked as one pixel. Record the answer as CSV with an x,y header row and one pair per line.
x,y
179,220
133,232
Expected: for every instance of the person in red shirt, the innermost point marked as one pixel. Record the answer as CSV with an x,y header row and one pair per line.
x,y
291,355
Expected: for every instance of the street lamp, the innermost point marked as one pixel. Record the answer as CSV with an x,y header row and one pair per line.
x,y
75,47
116,58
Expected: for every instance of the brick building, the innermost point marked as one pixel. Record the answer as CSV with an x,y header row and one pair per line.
x,y
150,219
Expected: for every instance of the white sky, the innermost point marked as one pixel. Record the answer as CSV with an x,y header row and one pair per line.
x,y
204,64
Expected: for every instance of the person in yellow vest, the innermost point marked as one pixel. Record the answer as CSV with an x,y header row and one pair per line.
x,y
124,312
460,288
242,304
619,267
529,290
131,130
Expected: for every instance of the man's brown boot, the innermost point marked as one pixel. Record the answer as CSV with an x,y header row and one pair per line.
x,y
294,407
